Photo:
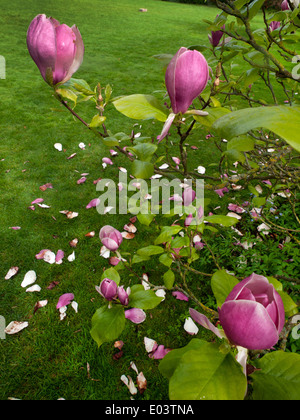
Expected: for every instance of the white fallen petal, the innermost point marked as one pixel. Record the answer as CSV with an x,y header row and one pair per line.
x,y
81,146
43,206
232,214
30,278
150,345
11,272
15,326
190,326
130,228
71,257
34,288
49,257
62,312
263,228
133,366
161,293
141,382
125,380
58,146
75,306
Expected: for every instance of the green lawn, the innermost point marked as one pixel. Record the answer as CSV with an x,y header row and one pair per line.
x,y
48,360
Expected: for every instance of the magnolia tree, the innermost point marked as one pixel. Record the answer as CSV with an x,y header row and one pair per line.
x,y
204,91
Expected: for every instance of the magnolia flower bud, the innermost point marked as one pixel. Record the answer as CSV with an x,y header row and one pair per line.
x,y
110,237
108,289
56,49
186,77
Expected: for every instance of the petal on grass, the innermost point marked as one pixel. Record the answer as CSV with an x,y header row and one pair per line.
x,y
15,326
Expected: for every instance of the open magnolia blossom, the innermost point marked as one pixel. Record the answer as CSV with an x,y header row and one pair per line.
x,y
56,49
252,315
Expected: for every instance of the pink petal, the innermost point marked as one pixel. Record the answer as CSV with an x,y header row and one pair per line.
x,y
37,200
93,203
160,352
180,296
64,300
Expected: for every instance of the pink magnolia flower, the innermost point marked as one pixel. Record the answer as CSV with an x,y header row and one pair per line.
x,y
216,36
56,49
108,289
186,77
252,315
274,25
188,196
110,237
123,296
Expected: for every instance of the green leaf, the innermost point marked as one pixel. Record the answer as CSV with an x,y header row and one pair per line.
x,y
166,260
166,234
241,143
150,250
169,278
282,120
207,374
138,258
221,220
222,283
80,85
141,107
112,274
278,377
170,362
213,115
144,299
142,170
107,324
68,94
145,219
97,120
143,151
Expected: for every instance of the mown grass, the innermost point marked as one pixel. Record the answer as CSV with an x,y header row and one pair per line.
x,y
49,359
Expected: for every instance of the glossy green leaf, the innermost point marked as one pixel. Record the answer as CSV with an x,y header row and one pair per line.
x,y
222,283
107,324
278,377
97,120
169,278
170,362
141,107
207,374
282,120
221,220
150,250
213,115
112,274
144,299
142,170
143,151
